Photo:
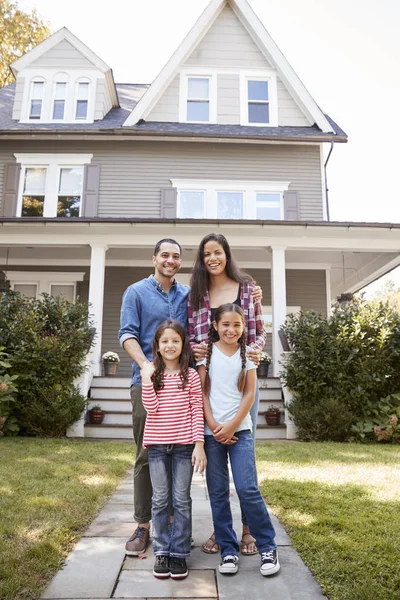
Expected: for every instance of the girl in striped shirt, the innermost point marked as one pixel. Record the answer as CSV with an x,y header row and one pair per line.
x,y
174,436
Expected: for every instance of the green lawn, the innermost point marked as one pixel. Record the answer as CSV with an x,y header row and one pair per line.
x,y
340,503
50,491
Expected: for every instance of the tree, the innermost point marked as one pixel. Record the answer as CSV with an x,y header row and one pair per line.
x,y
19,32
389,293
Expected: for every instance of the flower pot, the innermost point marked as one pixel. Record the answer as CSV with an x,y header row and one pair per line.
x,y
262,370
110,368
96,417
272,418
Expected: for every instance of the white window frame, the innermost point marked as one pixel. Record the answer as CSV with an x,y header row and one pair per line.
x,y
44,280
185,75
53,163
270,77
77,98
31,98
60,78
250,189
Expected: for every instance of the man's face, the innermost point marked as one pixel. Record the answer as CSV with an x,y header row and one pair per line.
x,y
168,260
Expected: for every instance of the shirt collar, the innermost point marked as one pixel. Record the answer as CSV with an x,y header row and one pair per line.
x,y
158,285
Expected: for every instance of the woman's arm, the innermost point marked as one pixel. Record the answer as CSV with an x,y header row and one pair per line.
x,y
261,332
224,433
196,406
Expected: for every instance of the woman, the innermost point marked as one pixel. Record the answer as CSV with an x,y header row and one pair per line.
x,y
216,280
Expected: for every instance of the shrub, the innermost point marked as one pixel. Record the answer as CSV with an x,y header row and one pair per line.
x,y
339,365
49,339
8,422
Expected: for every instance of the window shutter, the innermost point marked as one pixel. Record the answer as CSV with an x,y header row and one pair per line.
x,y
291,206
10,191
91,185
168,203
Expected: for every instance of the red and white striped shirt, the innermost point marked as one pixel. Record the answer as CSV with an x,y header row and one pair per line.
x,y
174,416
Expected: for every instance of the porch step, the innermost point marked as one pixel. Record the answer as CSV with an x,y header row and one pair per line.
x,y
115,431
271,432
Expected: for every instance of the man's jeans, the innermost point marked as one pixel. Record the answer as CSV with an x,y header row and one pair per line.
x,y
171,464
142,490
241,456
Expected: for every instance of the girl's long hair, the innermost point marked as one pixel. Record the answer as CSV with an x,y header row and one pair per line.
x,y
200,279
185,359
213,337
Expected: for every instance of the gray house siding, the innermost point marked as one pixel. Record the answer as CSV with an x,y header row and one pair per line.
x,y
289,113
19,92
227,44
102,103
132,175
228,99
167,108
62,56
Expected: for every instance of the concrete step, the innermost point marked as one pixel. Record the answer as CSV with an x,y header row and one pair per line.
x,y
111,404
109,393
116,432
117,417
123,382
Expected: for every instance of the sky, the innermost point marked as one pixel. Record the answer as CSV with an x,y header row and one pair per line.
x,y
345,52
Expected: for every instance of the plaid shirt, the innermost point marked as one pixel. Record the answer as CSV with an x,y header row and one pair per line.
x,y
200,320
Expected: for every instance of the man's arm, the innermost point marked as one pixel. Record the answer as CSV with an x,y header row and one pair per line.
x,y
129,333
133,349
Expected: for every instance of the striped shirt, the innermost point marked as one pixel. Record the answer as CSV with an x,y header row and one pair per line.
x,y
199,320
174,416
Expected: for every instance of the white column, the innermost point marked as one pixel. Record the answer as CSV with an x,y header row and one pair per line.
x,y
96,299
328,292
278,301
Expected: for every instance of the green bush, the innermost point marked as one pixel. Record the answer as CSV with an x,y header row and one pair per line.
x,y
8,389
48,339
340,365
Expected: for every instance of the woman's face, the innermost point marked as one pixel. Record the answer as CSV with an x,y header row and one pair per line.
x,y
214,258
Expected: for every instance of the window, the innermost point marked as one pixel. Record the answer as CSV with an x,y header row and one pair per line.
x,y
82,99
36,99
258,101
26,289
60,94
215,199
51,185
34,283
65,290
198,99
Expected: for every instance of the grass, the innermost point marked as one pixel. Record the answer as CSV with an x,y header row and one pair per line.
x,y
50,491
340,503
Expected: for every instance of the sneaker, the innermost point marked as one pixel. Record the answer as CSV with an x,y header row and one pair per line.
x,y
161,566
229,565
178,568
269,563
138,542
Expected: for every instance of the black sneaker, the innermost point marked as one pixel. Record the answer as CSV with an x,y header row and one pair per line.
x,y
229,565
178,567
161,566
269,563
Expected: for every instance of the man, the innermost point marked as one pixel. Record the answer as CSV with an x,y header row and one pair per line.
x,y
145,305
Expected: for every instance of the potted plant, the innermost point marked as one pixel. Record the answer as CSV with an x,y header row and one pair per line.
x,y
272,415
263,367
96,415
110,363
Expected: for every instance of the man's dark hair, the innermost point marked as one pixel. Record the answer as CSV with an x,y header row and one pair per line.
x,y
166,241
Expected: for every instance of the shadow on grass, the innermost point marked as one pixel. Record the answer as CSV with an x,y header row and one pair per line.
x,y
348,540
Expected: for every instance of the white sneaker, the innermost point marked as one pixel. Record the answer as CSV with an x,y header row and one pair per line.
x,y
229,565
269,563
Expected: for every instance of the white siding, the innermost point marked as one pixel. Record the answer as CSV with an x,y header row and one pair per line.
x,y
167,108
228,99
19,92
62,56
227,44
102,103
289,113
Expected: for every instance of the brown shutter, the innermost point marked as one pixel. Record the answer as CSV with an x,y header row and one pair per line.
x,y
91,186
168,203
10,190
291,206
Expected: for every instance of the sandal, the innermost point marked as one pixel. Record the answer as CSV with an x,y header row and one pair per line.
x,y
210,546
247,545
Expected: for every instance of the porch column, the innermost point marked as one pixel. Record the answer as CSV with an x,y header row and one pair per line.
x,y
96,300
278,301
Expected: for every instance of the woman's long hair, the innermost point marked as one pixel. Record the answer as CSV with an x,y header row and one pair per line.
x,y
213,337
185,359
200,279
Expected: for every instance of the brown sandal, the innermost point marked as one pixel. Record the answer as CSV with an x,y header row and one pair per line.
x,y
247,545
210,546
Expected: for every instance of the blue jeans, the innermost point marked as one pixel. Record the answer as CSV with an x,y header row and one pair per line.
x,y
171,474
241,456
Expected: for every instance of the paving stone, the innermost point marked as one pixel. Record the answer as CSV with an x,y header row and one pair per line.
x,y
121,498
139,584
91,570
113,529
116,512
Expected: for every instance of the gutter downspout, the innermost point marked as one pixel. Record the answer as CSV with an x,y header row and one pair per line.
x,y
326,183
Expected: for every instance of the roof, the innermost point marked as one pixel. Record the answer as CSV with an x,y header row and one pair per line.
x,y
129,94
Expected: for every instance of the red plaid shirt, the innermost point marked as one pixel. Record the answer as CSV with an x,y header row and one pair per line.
x,y
200,320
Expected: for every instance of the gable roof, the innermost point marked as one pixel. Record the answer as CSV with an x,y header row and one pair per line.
x,y
263,40
52,41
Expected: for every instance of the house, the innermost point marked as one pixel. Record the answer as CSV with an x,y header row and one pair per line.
x,y
226,139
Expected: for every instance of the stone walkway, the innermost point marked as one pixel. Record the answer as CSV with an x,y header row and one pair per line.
x,y
97,568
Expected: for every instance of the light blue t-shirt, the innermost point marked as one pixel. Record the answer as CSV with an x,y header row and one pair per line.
x,y
224,395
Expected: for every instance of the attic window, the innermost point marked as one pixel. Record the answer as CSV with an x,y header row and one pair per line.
x,y
258,101
60,92
198,99
82,99
35,105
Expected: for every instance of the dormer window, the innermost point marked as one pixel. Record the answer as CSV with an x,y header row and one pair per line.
x,y
258,99
36,99
60,95
198,99
82,100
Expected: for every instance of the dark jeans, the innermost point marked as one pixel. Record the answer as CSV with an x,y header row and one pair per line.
x,y
243,466
142,489
171,474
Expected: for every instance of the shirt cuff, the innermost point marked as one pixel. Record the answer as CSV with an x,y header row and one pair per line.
x,y
126,336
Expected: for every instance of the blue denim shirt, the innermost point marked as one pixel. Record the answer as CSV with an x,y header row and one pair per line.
x,y
145,306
